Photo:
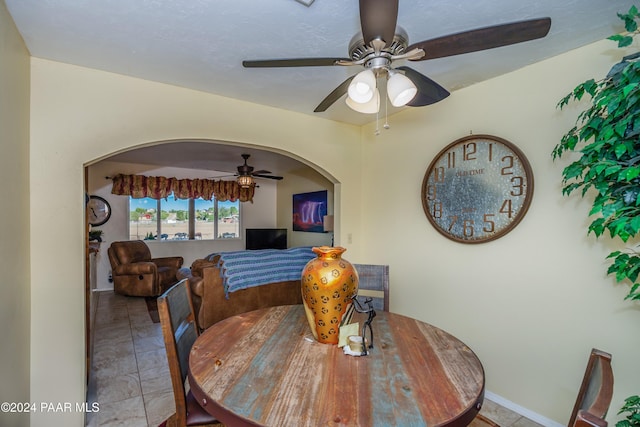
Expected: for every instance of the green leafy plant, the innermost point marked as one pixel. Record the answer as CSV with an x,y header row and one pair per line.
x,y
631,408
95,235
607,135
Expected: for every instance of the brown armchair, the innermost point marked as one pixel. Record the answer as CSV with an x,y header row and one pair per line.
x,y
135,273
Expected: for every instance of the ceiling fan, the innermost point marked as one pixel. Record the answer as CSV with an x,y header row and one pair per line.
x,y
246,173
381,43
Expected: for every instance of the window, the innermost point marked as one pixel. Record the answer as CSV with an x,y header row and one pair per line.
x,y
183,219
205,214
228,224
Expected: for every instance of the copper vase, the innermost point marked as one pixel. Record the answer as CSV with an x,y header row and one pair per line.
x,y
328,284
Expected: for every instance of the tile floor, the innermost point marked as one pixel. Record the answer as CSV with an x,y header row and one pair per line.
x,y
130,379
130,376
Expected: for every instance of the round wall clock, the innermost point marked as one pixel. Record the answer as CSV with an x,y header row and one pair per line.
x,y
477,189
98,210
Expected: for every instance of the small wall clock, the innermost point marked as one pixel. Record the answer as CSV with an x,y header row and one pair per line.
x,y
477,189
98,210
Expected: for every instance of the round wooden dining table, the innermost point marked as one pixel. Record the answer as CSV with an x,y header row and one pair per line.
x,y
264,368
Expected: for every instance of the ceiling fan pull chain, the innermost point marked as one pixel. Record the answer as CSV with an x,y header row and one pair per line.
x,y
386,113
377,132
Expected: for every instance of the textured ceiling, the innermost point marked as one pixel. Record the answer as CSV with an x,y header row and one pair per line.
x,y
200,44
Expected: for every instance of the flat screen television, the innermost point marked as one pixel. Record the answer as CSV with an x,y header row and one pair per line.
x,y
266,238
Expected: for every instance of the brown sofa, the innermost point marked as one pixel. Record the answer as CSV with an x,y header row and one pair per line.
x,y
211,303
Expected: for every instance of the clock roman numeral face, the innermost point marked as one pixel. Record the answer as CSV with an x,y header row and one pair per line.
x,y
477,189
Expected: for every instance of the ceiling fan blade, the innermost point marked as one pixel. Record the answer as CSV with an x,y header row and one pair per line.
x,y
333,96
267,176
429,92
483,38
378,19
296,62
262,171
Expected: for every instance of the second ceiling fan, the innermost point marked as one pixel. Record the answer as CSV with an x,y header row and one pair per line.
x,y
246,173
381,42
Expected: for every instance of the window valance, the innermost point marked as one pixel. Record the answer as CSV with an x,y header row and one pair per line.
x,y
160,187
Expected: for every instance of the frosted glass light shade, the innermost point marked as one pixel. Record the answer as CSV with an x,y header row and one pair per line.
x,y
370,107
400,89
362,87
245,181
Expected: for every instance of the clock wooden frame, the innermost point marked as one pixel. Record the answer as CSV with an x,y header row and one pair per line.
x,y
477,189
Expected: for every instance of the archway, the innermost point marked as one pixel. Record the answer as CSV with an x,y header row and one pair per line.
x,y
159,158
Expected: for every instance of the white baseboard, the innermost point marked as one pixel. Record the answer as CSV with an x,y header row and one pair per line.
x,y
533,416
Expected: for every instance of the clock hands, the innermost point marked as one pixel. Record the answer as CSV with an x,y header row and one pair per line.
x,y
99,212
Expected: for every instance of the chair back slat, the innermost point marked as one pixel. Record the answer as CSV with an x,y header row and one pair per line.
x,y
596,391
180,332
185,335
374,283
179,308
594,386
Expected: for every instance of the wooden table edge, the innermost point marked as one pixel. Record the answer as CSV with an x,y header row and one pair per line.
x,y
231,418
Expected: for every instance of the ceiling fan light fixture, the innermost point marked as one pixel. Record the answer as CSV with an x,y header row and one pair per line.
x,y
362,87
400,89
245,181
371,107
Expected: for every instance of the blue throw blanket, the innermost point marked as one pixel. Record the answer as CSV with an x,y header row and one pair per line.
x,y
246,269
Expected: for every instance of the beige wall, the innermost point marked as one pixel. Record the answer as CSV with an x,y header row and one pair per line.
x,y
514,301
533,303
81,115
14,219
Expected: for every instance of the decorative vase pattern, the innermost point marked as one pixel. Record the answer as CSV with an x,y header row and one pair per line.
x,y
328,284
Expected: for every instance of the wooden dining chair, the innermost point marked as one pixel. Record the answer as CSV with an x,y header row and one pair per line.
x,y
179,330
374,283
596,392
594,396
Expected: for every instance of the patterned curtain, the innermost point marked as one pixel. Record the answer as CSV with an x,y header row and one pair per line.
x,y
160,187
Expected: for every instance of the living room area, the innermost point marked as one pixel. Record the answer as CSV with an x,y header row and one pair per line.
x,y
530,304
271,206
